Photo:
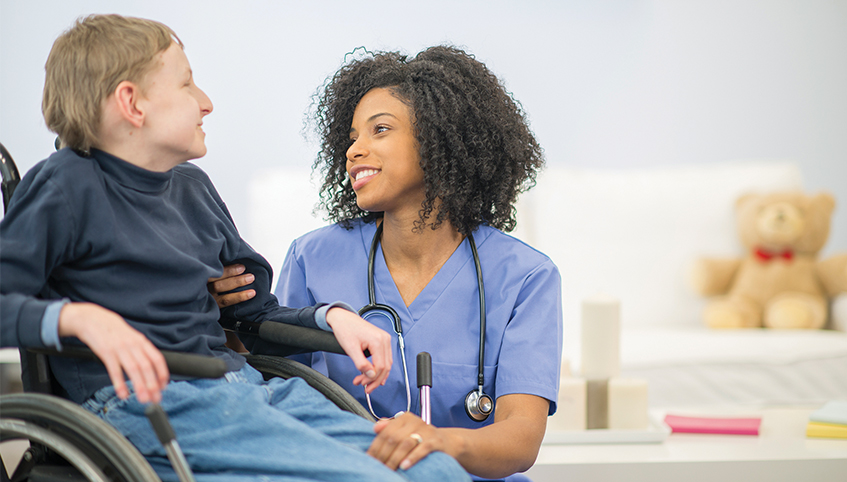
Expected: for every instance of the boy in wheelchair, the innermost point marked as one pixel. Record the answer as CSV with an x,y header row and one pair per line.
x,y
111,241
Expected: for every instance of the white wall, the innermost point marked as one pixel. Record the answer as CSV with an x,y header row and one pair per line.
x,y
608,84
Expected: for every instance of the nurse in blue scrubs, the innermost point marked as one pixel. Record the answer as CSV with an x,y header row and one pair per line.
x,y
423,159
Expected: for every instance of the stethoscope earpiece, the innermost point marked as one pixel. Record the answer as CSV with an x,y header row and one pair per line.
x,y
478,405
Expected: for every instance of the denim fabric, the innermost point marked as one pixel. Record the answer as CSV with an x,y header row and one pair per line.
x,y
241,428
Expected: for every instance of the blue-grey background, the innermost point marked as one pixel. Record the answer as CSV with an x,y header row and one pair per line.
x,y
612,84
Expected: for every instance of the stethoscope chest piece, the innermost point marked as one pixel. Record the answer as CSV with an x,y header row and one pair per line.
x,y
478,405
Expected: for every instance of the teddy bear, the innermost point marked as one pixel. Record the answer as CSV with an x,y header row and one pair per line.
x,y
779,283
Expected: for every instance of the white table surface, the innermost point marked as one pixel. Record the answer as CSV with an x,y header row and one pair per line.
x,y
781,452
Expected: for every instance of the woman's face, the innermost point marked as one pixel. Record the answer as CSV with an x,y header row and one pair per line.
x,y
383,160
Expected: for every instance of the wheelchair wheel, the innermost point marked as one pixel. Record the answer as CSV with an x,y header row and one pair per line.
x,y
65,437
272,366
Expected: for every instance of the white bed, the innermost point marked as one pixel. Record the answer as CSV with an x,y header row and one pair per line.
x,y
693,367
632,234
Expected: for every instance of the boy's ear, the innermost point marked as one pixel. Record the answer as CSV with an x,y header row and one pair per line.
x,y
127,95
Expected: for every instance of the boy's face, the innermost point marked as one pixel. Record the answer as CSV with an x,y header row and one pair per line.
x,y
175,108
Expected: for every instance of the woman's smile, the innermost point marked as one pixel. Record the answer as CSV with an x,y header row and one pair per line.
x,y
361,175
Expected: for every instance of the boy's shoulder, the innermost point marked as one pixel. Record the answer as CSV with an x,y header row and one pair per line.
x,y
64,168
192,171
69,171
190,174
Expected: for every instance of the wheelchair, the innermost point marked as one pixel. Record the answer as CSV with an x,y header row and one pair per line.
x,y
68,443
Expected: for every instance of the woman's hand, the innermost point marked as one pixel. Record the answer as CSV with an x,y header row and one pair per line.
x,y
231,279
356,335
494,451
403,441
120,347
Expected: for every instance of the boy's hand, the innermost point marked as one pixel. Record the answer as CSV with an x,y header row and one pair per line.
x,y
231,279
356,335
120,347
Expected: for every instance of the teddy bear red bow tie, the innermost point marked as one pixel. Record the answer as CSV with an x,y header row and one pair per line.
x,y
767,255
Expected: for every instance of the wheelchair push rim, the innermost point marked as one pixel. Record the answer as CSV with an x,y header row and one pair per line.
x,y
60,424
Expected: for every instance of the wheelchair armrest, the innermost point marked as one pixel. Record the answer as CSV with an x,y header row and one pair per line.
x,y
299,337
185,364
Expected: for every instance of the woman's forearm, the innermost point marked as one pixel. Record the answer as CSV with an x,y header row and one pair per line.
x,y
508,445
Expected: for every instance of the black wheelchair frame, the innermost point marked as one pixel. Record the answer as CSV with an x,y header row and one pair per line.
x,y
68,443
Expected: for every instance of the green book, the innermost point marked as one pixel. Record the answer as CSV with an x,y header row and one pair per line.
x,y
834,411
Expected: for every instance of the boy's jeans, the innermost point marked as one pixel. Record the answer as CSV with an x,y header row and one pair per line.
x,y
241,428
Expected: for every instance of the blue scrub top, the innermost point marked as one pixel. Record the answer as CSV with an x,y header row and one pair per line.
x,y
523,344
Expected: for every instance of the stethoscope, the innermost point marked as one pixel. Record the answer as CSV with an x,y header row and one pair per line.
x,y
478,405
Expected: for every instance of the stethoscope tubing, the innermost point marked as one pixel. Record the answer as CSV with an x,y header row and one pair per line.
x,y
480,373
395,318
398,328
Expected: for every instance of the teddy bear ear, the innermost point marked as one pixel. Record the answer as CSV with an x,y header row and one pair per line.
x,y
825,202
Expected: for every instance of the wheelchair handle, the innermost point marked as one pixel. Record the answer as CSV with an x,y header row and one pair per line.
x,y
9,174
424,369
309,339
300,337
159,420
425,384
184,364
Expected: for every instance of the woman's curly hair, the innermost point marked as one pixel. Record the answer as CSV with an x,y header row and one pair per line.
x,y
476,149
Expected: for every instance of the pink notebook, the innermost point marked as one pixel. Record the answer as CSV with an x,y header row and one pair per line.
x,y
731,426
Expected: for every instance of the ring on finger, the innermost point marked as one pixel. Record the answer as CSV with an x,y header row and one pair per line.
x,y
417,438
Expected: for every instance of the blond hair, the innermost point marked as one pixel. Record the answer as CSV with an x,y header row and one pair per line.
x,y
85,66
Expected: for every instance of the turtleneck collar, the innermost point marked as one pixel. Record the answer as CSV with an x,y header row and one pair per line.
x,y
130,175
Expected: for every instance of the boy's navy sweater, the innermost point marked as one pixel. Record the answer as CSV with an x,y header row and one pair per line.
x,y
140,243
